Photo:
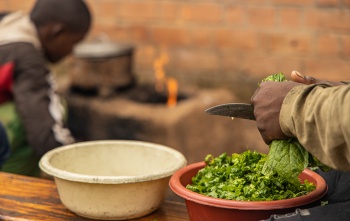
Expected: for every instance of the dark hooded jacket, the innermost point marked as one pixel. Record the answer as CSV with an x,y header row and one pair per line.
x,y
26,80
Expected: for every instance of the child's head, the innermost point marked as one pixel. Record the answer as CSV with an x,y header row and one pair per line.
x,y
60,24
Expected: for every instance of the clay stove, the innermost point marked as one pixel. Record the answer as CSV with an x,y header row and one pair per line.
x,y
137,112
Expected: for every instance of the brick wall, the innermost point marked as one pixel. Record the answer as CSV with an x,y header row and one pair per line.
x,y
230,43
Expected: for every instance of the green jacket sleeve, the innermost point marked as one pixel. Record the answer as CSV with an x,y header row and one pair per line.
x,y
319,116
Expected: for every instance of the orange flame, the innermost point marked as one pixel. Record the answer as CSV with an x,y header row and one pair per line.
x,y
159,72
162,80
172,92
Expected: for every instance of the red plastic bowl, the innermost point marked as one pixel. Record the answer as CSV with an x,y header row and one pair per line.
x,y
204,208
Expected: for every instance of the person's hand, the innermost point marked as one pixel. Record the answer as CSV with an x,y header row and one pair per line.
x,y
267,101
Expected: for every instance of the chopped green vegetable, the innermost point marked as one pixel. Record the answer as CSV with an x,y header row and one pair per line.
x,y
240,177
275,77
288,157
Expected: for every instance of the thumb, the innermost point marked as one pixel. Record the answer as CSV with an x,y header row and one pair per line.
x,y
298,77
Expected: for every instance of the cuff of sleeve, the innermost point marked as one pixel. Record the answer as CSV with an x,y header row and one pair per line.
x,y
286,121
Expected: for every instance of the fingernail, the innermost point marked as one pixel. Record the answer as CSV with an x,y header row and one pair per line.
x,y
299,74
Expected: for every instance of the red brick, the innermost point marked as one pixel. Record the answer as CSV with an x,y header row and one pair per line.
x,y
103,12
346,3
202,12
327,44
327,69
94,7
139,33
197,60
345,44
287,64
3,5
168,11
251,2
290,17
201,37
251,64
118,34
286,43
137,11
235,15
336,19
236,39
144,57
170,36
126,33
14,5
293,2
328,3
261,17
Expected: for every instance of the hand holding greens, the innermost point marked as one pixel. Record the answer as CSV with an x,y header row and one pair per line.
x,y
288,158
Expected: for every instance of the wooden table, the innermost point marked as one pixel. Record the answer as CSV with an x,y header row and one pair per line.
x,y
25,198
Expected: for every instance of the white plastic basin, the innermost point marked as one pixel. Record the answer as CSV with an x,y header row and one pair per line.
x,y
112,180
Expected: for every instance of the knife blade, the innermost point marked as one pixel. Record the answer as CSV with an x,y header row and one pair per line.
x,y
239,110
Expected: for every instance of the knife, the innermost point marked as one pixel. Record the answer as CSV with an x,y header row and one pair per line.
x,y
239,110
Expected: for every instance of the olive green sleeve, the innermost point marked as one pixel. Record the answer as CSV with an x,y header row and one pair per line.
x,y
319,116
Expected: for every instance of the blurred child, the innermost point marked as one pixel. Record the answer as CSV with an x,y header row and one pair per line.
x,y
29,107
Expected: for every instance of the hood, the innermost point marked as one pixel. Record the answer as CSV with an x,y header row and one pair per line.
x,y
17,27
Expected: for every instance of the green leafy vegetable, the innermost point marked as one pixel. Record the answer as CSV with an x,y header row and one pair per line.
x,y
288,158
275,77
240,177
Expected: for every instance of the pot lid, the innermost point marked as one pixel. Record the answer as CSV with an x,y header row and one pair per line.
x,y
101,49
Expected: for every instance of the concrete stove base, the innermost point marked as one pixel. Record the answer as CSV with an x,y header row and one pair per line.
x,y
185,127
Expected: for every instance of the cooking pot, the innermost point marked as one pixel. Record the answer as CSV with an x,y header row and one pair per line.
x,y
102,66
